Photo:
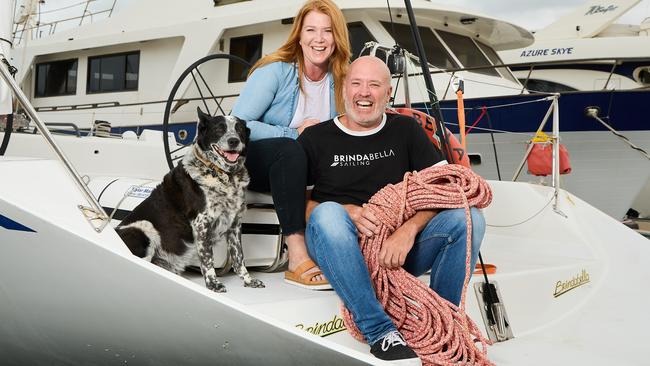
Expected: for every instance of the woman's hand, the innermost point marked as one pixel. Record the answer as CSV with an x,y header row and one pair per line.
x,y
306,123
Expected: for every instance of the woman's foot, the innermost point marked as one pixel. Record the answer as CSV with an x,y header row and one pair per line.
x,y
302,271
305,276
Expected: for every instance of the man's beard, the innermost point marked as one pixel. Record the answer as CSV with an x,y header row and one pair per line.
x,y
367,121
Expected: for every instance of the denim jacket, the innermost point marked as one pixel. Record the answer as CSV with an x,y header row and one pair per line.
x,y
269,100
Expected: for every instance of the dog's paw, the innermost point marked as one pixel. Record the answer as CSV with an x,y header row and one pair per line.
x,y
255,283
215,285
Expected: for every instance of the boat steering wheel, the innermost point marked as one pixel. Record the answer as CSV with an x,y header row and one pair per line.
x,y
197,86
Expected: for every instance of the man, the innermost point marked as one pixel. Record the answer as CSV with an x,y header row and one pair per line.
x,y
351,158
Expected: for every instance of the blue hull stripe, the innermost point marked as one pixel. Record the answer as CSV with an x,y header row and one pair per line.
x,y
10,224
624,110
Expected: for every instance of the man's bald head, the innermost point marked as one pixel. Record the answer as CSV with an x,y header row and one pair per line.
x,y
373,63
366,92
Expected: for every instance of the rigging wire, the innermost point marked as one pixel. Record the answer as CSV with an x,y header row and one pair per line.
x,y
15,10
494,145
527,219
486,129
544,99
392,24
64,7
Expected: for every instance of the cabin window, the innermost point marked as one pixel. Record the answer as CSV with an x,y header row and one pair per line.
x,y
436,53
496,60
467,52
56,78
250,49
359,35
113,73
545,86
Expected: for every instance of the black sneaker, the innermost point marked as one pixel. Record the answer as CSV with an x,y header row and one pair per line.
x,y
392,348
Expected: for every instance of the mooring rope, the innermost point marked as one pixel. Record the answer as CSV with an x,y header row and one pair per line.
x,y
440,332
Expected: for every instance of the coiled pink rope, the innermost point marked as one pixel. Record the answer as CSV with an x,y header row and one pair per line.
x,y
438,331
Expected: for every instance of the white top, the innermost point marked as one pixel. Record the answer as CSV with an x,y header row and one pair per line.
x,y
373,131
313,101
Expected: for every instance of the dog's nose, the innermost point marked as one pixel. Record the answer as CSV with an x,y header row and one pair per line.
x,y
233,142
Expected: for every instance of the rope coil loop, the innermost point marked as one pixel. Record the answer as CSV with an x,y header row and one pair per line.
x,y
440,332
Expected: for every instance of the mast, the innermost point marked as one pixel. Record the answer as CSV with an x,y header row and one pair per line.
x,y
433,99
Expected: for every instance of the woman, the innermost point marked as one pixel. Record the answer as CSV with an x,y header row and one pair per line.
x,y
287,91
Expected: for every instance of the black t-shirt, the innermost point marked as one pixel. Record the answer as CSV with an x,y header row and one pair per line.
x,y
349,167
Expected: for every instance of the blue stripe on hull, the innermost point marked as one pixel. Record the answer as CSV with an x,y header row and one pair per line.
x,y
623,110
10,224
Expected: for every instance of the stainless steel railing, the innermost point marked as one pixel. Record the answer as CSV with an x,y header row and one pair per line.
x,y
95,213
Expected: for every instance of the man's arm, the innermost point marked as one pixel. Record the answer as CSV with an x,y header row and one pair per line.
x,y
394,250
311,205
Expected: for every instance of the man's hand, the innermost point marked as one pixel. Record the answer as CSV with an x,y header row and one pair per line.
x,y
365,221
395,248
306,123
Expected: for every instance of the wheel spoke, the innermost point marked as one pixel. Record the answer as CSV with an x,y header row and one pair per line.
x,y
207,110
210,91
179,149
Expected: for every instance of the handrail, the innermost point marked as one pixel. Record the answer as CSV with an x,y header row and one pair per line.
x,y
96,210
75,128
17,34
100,105
539,63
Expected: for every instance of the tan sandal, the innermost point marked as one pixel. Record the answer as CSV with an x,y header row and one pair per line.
x,y
300,279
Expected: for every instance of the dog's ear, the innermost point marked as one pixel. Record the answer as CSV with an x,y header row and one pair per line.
x,y
203,119
202,116
248,134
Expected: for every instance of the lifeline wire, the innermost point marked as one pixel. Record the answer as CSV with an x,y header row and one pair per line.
x,y
440,332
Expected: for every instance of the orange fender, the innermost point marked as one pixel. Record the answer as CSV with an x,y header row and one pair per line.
x,y
428,124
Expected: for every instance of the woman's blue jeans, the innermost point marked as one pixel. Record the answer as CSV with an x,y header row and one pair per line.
x,y
332,241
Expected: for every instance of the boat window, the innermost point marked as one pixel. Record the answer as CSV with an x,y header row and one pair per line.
x,y
434,50
496,60
359,35
56,78
250,49
545,86
467,52
113,73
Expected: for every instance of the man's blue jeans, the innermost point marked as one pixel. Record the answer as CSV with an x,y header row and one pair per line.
x,y
332,241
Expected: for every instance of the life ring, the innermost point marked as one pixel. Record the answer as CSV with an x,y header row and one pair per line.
x,y
428,124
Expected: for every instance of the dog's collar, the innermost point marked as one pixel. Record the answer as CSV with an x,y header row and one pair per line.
x,y
199,155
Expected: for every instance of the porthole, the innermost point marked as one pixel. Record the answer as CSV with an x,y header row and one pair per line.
x,y
642,75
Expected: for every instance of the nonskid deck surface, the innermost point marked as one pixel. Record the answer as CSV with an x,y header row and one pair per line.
x,y
513,256
276,289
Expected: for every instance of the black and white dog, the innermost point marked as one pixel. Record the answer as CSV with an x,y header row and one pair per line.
x,y
199,203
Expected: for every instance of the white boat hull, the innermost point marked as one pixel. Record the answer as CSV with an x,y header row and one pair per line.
x,y
572,287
